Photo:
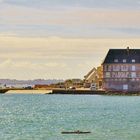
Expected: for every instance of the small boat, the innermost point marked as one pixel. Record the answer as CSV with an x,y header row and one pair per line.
x,y
75,132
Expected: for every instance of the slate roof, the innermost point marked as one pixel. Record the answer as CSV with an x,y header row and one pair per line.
x,y
121,54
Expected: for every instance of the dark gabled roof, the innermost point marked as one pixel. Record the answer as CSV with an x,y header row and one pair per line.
x,y
121,54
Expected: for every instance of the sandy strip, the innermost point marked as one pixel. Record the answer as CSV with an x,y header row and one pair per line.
x,y
28,91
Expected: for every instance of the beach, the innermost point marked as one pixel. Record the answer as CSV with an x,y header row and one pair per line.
x,y
28,91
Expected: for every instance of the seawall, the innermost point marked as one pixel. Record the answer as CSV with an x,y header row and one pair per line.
x,y
80,92
2,91
92,92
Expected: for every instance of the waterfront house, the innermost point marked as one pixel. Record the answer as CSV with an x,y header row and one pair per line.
x,y
94,77
121,70
90,77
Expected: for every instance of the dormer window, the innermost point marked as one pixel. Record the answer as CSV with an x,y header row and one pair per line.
x,y
115,60
124,60
133,60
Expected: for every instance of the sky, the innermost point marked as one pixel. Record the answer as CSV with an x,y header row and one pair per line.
x,y
62,39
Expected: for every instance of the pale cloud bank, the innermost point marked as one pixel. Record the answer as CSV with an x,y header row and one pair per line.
x,y
54,57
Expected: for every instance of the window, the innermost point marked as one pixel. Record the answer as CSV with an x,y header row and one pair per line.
x,y
133,68
137,79
133,79
133,61
115,60
125,87
109,68
124,60
106,67
107,75
124,68
116,67
133,75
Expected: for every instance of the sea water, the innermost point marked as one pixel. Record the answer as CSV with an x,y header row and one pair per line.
x,y
44,117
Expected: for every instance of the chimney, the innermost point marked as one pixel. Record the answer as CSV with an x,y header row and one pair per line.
x,y
128,50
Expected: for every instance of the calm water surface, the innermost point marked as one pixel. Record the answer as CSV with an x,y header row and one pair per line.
x,y
43,117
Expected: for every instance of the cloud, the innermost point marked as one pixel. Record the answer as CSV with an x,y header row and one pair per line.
x,y
1,1
76,3
54,57
70,16
9,63
30,70
71,22
62,47
23,18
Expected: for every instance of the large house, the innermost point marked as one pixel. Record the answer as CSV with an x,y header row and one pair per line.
x,y
121,70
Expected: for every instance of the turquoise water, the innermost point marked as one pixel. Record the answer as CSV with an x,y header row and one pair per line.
x,y
43,117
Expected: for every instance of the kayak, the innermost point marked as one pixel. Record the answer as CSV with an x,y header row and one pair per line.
x,y
75,132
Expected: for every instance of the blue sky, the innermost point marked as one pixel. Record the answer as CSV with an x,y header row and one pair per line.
x,y
48,38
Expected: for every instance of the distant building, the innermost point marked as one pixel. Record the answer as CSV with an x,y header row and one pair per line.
x,y
121,70
73,82
91,77
41,86
94,77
